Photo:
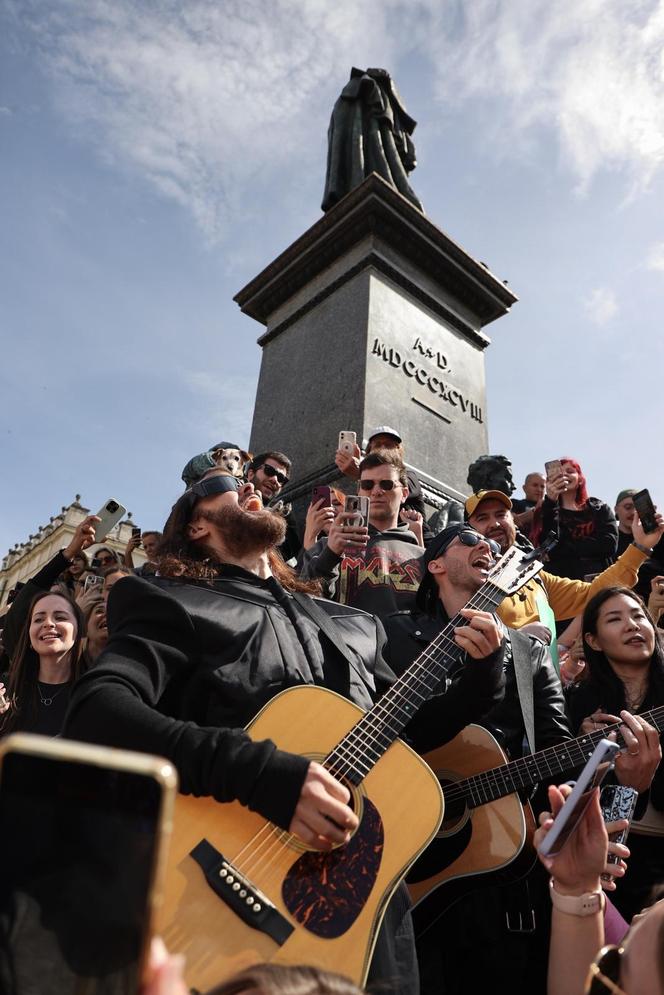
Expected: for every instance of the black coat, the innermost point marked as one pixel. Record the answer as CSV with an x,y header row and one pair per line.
x,y
189,663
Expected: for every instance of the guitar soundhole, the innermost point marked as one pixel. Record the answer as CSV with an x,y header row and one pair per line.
x,y
456,811
326,892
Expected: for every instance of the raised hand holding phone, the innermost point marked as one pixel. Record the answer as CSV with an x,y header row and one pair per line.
x,y
569,815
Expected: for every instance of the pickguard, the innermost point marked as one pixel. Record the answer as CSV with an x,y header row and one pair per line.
x,y
326,892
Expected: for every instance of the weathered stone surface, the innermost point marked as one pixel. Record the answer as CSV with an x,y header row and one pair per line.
x,y
374,316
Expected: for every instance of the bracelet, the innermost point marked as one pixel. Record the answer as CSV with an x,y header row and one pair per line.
x,y
578,905
643,549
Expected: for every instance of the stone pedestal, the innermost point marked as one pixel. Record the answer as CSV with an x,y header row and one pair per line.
x,y
374,316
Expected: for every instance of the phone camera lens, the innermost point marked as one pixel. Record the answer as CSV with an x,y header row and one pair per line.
x,y
112,506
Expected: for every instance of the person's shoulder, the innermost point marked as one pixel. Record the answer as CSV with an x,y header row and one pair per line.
x,y
335,610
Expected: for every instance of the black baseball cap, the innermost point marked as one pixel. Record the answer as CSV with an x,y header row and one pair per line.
x,y
436,548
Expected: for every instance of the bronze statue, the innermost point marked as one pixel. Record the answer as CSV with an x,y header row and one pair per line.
x,y
369,132
491,473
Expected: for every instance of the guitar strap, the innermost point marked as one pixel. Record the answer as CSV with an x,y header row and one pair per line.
x,y
329,629
523,671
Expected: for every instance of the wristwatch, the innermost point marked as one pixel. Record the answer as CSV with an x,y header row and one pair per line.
x,y
578,905
643,549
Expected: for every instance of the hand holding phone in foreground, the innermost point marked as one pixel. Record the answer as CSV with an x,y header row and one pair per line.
x,y
578,867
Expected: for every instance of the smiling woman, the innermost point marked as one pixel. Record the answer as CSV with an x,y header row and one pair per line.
x,y
46,662
625,663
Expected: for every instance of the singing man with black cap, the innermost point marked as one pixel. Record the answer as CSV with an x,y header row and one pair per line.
x,y
488,938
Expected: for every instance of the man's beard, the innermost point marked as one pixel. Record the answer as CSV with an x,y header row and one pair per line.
x,y
244,533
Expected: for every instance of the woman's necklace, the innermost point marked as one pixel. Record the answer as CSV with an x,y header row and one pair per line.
x,y
48,700
635,692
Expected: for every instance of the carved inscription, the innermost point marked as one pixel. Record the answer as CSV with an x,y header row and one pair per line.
x,y
423,376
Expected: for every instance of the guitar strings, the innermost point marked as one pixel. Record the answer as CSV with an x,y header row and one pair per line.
x,y
496,778
375,723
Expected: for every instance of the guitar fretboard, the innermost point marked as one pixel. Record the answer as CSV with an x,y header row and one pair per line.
x,y
375,732
528,771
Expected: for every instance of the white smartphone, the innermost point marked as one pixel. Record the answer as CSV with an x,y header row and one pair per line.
x,y
569,816
110,513
347,442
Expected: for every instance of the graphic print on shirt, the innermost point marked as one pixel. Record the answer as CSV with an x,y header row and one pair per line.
x,y
383,568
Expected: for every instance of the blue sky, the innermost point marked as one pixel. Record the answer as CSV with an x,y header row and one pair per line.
x,y
156,156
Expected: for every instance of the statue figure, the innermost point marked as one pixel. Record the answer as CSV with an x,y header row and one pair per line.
x,y
491,473
369,132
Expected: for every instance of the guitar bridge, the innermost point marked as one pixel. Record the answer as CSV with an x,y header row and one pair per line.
x,y
233,888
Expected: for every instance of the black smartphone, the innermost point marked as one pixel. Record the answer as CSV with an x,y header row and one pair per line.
x,y
82,833
553,467
135,532
646,510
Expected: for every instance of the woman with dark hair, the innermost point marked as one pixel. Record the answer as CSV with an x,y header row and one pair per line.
x,y
73,576
624,682
45,663
586,527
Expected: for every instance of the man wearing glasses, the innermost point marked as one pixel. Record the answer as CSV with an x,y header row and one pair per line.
x,y
495,938
269,473
375,568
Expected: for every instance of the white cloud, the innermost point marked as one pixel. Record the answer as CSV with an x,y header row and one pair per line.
x,y
655,258
601,305
590,71
208,101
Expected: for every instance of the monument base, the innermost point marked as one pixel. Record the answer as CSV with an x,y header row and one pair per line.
x,y
374,317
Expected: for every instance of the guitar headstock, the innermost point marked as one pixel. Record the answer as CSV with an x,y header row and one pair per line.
x,y
514,569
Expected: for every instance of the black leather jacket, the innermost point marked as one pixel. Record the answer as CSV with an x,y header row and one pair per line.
x,y
410,632
189,663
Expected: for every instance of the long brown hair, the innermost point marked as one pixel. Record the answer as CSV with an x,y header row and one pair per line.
x,y
23,673
178,556
278,979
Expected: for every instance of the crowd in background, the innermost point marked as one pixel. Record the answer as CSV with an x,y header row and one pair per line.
x,y
592,618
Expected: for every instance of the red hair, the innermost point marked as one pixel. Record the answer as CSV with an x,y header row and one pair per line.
x,y
581,496
580,500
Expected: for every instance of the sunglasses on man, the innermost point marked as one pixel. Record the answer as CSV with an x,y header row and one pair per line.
x,y
385,485
271,471
469,538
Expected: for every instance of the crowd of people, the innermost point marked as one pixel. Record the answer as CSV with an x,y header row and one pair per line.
x,y
238,600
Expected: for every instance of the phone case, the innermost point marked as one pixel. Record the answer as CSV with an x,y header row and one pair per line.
x,y
358,506
618,802
645,509
347,441
110,513
591,775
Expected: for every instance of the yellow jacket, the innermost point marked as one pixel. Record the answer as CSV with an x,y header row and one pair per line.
x,y
568,597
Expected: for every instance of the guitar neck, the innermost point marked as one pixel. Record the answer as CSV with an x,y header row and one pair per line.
x,y
528,771
368,740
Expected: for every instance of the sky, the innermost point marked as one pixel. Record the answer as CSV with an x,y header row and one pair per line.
x,y
155,156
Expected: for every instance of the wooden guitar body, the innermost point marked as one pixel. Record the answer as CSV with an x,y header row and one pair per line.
x,y
471,841
324,909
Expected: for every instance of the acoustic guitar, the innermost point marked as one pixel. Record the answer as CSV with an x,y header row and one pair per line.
x,y
487,827
240,891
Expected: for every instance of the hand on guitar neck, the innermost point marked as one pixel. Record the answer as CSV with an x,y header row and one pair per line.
x,y
481,637
322,817
637,763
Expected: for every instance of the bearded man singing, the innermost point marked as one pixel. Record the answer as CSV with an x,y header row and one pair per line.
x,y
194,653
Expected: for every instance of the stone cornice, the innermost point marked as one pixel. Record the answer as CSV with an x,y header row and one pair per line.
x,y
375,209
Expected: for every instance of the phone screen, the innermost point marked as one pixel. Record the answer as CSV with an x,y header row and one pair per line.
x,y
572,811
79,844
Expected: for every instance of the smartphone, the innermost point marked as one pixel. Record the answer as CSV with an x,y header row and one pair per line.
x,y
4,701
553,467
569,816
646,510
92,580
618,802
84,831
347,442
110,514
135,532
357,505
321,492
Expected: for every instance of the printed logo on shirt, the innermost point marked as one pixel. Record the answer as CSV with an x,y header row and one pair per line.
x,y
386,569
